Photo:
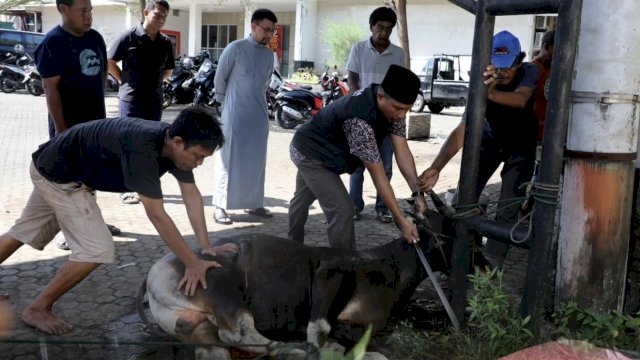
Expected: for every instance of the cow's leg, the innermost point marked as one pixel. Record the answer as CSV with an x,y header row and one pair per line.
x,y
326,284
189,326
244,335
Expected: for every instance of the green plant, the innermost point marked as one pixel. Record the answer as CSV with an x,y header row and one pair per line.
x,y
612,329
305,75
340,37
493,318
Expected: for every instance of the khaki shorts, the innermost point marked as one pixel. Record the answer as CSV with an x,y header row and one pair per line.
x,y
69,207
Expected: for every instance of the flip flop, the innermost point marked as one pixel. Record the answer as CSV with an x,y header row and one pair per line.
x,y
4,294
262,212
130,198
114,230
221,217
385,217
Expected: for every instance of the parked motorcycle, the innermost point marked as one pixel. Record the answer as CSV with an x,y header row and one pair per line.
x,y
21,75
276,86
205,91
295,106
179,88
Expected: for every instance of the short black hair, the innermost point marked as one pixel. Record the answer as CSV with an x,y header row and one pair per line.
x,y
63,2
549,38
262,14
197,125
383,13
152,4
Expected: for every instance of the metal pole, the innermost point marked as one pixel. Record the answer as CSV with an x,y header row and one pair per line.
x,y
601,149
538,292
469,5
521,7
476,108
497,230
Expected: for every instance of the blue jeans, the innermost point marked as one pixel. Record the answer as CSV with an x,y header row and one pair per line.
x,y
147,111
357,178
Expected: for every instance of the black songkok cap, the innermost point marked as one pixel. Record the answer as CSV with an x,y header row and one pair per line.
x,y
401,84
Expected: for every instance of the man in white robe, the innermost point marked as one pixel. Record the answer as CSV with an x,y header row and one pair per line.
x,y
241,81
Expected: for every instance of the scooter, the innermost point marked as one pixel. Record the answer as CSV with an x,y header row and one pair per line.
x,y
179,88
22,75
276,86
204,83
295,106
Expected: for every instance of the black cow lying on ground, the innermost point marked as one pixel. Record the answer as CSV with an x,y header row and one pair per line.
x,y
274,288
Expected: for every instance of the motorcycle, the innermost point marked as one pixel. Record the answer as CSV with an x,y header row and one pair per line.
x,y
22,75
204,83
179,88
277,85
295,106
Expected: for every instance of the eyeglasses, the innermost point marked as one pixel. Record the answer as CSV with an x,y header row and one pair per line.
x,y
267,30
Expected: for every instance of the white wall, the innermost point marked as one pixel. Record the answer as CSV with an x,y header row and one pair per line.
x,y
435,26
180,24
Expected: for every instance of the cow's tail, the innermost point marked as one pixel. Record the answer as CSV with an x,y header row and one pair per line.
x,y
147,326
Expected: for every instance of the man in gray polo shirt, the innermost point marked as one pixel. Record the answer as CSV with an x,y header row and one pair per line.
x,y
368,63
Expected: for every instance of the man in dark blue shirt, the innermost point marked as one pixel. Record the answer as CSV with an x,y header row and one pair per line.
x,y
509,136
122,154
72,60
147,58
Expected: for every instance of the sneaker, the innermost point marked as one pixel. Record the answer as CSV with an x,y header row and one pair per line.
x,y
357,215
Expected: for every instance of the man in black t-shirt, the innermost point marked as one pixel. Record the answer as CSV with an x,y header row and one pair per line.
x,y
72,60
122,154
147,59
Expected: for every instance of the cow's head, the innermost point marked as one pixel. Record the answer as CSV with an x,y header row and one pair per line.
x,y
436,246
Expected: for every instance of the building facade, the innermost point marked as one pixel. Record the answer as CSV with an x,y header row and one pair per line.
x,y
435,26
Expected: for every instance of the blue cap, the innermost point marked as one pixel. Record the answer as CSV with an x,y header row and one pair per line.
x,y
505,49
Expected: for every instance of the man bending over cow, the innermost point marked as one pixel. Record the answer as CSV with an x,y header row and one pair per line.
x,y
341,138
116,155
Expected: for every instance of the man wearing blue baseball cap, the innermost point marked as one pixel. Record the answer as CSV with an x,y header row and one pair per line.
x,y
509,136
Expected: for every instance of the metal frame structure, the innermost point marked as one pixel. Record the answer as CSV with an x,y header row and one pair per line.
x,y
538,294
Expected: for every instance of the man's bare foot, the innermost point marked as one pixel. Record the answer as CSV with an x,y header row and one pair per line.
x,y
45,320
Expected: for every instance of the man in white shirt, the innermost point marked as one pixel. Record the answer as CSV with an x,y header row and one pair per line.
x,y
368,63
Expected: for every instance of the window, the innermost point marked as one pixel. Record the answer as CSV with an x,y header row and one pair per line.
x,y
542,25
216,37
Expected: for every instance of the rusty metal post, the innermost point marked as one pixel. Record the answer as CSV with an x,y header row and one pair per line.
x,y
601,149
538,296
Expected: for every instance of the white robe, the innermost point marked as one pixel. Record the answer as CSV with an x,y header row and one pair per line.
x,y
241,81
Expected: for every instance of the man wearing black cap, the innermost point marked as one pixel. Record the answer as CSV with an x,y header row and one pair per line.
x,y
344,136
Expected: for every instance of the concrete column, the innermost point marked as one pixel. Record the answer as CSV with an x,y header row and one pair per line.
x,y
306,30
195,29
601,149
249,8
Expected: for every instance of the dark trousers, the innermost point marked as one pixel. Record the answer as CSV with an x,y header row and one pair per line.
x,y
146,110
357,178
517,169
314,181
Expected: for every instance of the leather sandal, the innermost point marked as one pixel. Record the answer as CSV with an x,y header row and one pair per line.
x,y
262,212
221,217
385,217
